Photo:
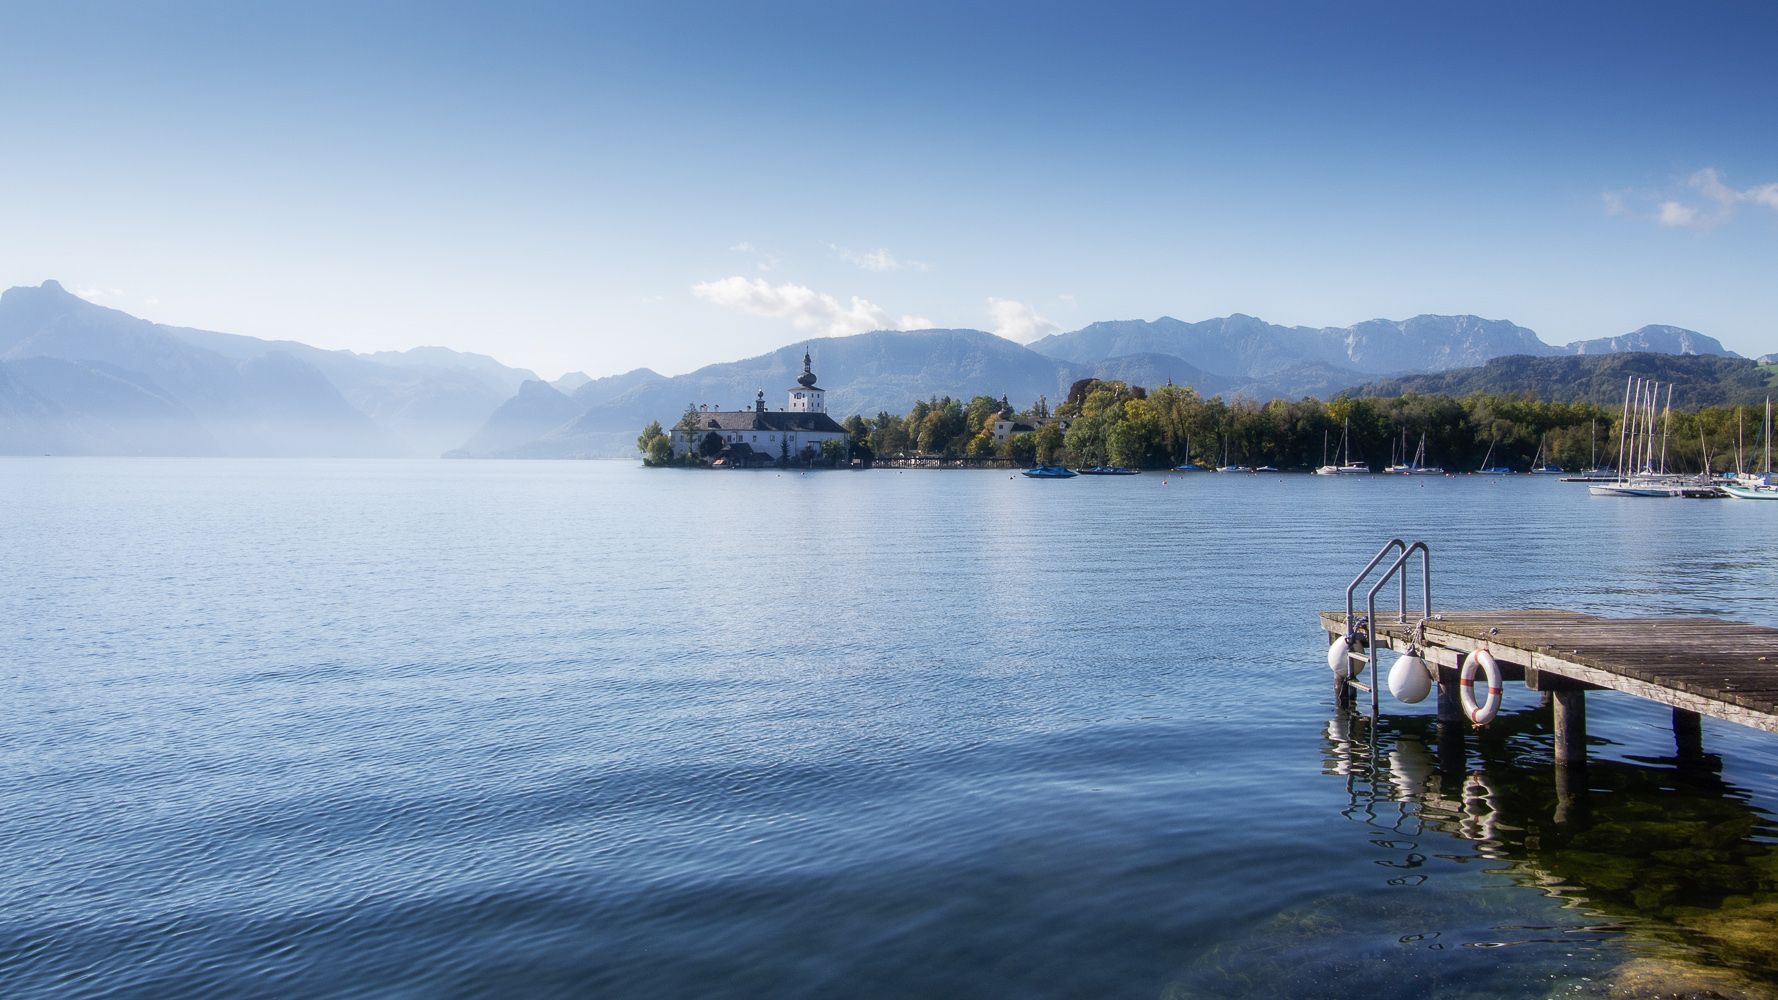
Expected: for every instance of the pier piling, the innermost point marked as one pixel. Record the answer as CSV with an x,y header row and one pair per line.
x,y
1571,727
1688,734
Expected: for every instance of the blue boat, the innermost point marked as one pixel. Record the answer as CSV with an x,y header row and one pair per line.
x,y
1495,470
1050,472
1189,467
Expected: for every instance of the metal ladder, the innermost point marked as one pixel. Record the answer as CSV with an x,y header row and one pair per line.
x,y
1396,568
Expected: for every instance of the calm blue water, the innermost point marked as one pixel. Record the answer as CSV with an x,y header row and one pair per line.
x,y
580,729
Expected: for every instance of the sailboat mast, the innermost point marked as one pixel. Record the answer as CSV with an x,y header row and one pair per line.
x,y
1624,427
1666,427
1738,442
1768,435
1654,403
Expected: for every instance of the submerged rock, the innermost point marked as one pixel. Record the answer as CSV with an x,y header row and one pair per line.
x,y
1666,979
1745,935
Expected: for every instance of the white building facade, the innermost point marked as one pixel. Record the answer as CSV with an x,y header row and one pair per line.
x,y
761,437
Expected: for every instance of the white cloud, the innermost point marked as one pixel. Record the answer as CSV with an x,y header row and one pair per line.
x,y
805,308
743,246
1019,322
151,301
878,260
1713,203
1675,214
95,294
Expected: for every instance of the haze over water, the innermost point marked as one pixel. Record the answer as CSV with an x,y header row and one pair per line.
x,y
464,729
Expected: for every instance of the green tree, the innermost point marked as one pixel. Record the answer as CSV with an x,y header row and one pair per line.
x,y
649,433
1048,443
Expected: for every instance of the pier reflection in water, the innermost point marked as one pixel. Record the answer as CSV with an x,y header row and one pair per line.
x,y
1662,849
1666,874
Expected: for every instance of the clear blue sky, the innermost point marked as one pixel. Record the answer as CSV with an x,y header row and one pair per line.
x,y
599,187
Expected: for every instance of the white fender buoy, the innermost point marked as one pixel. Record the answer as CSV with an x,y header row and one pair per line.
x,y
1339,658
1408,680
1466,687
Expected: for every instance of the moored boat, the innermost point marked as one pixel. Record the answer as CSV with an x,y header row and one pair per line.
x,y
1755,486
1050,472
1347,468
1493,470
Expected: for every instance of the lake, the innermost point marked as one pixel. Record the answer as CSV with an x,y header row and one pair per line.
x,y
582,729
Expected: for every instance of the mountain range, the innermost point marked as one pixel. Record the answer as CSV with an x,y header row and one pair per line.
x,y
78,378
1697,379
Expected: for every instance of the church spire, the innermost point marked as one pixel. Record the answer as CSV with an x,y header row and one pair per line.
x,y
807,378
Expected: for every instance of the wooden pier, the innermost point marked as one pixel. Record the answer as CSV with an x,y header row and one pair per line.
x,y
1699,666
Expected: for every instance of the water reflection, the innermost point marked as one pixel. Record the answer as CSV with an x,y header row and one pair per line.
x,y
1659,850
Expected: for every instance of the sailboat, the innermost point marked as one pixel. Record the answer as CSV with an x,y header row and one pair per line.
x,y
1757,487
1495,470
1398,457
1418,466
1348,468
1189,465
1636,475
1225,466
1539,467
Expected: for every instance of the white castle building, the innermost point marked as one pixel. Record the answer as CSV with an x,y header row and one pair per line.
x,y
760,436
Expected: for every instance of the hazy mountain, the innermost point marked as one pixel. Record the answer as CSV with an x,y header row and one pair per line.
x,y
1661,339
571,381
269,404
1243,345
537,409
120,413
251,396
599,390
503,379
432,397
1699,379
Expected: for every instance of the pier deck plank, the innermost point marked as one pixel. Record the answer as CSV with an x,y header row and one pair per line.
x,y
1706,665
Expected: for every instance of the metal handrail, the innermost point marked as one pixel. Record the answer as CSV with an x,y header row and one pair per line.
x,y
1394,543
1370,623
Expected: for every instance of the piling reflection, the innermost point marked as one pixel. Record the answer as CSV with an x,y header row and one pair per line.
x,y
1663,848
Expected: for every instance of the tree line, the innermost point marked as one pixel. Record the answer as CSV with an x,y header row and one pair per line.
x,y
1109,422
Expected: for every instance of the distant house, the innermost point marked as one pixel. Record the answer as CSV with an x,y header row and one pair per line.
x,y
798,430
1006,424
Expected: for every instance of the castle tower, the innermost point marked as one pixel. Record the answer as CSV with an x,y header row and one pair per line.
x,y
807,397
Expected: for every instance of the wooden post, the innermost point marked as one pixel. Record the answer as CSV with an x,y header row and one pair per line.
x,y
1451,757
1450,709
1688,734
1571,792
1571,727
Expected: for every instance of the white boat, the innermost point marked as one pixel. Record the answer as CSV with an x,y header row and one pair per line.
x,y
1225,466
1418,467
1348,468
1638,486
1756,486
1636,474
